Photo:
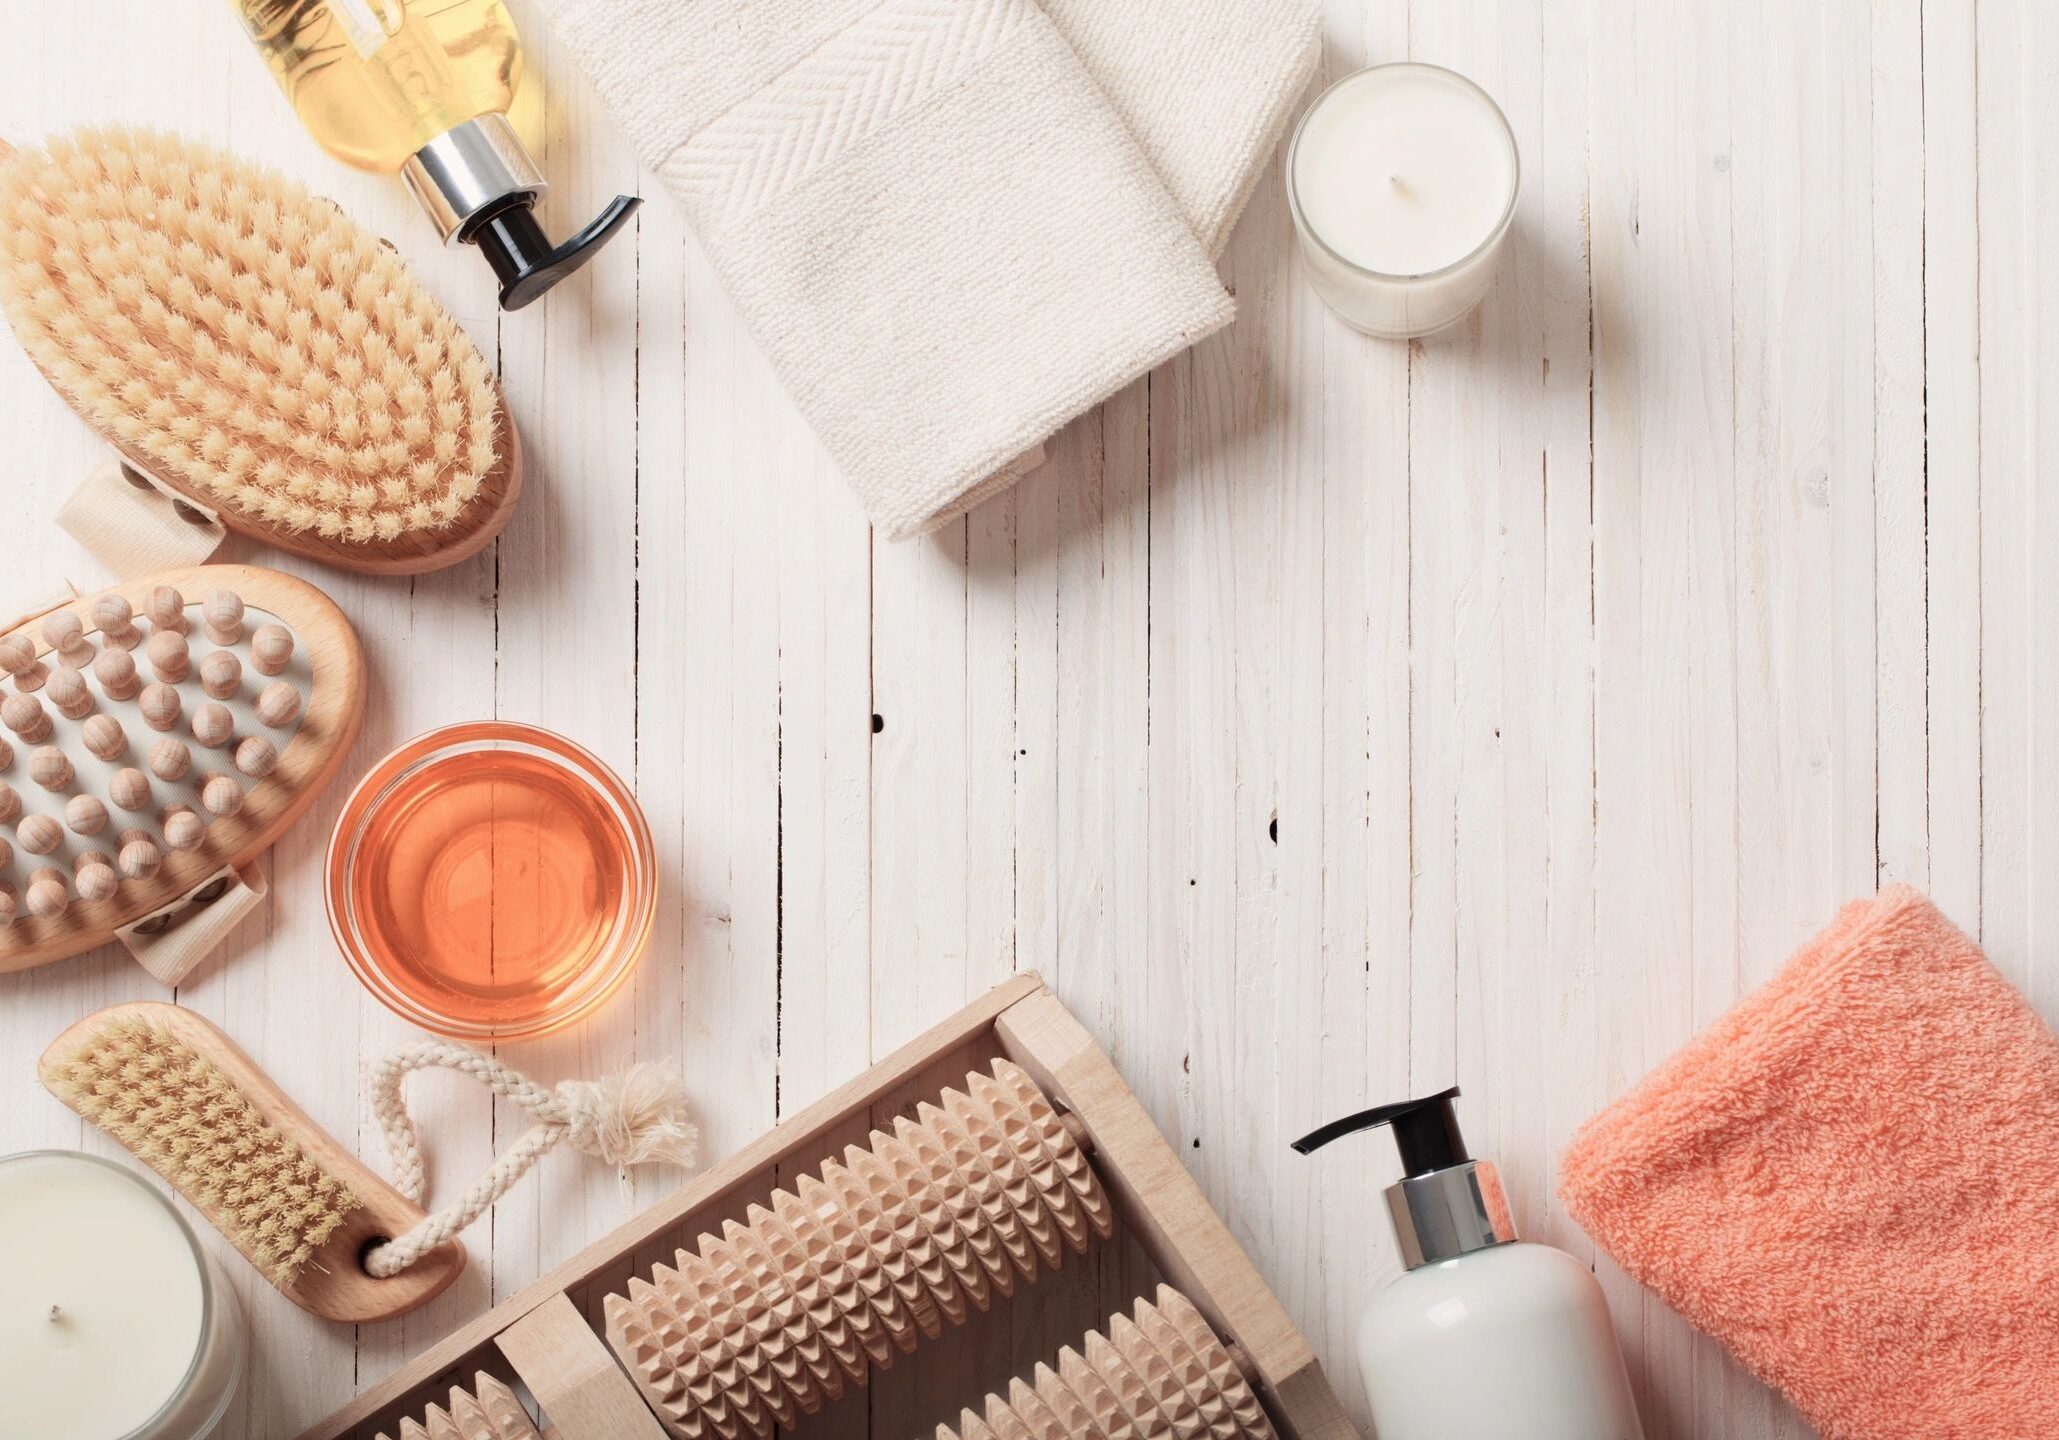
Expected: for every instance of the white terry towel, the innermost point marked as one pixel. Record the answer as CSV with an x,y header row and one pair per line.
x,y
1206,86
947,241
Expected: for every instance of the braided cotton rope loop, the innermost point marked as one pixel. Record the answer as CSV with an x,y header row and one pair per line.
x,y
638,1118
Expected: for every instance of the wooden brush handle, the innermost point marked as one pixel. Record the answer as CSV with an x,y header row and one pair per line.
x,y
333,1284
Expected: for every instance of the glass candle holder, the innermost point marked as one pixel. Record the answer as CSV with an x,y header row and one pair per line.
x,y
492,881
114,1323
1402,180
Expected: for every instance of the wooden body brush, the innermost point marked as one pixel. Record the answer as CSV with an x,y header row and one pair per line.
x,y
251,353
181,1097
155,739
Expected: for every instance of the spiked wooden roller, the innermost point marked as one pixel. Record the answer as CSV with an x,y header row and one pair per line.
x,y
962,1167
1158,1372
486,1411
764,1323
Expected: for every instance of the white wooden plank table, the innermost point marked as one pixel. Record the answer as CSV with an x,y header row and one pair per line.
x,y
1329,720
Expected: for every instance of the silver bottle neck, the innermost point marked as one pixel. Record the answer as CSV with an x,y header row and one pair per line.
x,y
1448,1213
471,170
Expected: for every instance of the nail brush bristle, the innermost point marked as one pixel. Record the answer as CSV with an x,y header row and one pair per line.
x,y
177,1112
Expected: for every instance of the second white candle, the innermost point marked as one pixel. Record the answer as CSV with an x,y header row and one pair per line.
x,y
1403,183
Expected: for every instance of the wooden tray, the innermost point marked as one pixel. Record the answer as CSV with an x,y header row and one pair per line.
x,y
548,1336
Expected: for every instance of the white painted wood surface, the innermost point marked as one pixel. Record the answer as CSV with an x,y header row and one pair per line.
x,y
1329,720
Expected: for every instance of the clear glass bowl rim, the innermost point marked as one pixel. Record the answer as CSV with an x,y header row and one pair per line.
x,y
440,746
1315,236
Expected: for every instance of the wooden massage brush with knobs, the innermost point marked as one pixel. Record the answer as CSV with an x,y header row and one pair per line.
x,y
155,739
257,360
182,1098
920,1196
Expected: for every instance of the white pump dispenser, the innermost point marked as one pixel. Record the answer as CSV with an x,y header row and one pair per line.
x,y
1485,1337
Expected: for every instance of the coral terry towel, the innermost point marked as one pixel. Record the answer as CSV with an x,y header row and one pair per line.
x,y
1852,1181
946,240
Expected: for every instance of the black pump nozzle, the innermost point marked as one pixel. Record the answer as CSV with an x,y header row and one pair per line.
x,y
524,258
1426,1131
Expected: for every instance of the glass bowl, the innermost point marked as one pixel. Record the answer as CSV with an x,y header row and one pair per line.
x,y
491,881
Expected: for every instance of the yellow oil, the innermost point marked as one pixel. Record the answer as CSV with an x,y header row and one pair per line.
x,y
376,80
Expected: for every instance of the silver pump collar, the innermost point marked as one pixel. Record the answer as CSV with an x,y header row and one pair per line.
x,y
1448,1213
469,171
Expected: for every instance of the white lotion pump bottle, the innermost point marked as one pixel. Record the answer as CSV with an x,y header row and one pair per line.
x,y
1485,1337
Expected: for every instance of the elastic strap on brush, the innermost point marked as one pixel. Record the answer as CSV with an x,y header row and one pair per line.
x,y
640,1117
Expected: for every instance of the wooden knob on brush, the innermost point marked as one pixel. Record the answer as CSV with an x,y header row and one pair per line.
x,y
256,756
167,610
139,858
18,658
51,768
221,796
221,675
49,896
159,705
64,633
95,877
170,658
26,717
223,617
38,834
183,830
85,815
104,736
68,694
170,760
129,789
213,725
271,649
116,671
278,704
116,621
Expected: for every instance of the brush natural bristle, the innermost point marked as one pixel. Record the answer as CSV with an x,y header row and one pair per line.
x,y
241,335
175,1110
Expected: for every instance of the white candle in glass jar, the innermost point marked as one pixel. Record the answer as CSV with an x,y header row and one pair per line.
x,y
1402,180
114,1325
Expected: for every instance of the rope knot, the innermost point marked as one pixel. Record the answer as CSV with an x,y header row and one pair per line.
x,y
637,1118
634,1118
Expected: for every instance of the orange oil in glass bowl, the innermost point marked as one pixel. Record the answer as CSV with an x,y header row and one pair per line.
x,y
491,881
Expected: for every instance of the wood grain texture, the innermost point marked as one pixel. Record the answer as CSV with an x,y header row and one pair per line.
x,y
574,1377
1327,720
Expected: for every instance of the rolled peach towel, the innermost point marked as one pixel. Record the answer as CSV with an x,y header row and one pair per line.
x,y
1852,1181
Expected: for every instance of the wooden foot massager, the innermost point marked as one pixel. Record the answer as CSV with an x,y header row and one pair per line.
x,y
963,1166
